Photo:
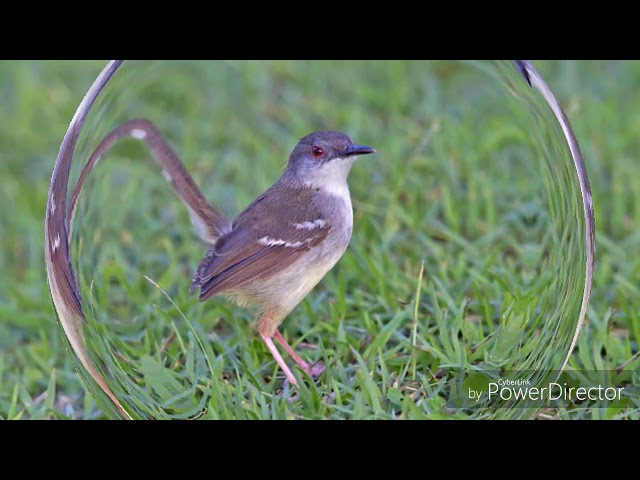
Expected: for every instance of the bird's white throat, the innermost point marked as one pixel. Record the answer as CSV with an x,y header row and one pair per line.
x,y
331,178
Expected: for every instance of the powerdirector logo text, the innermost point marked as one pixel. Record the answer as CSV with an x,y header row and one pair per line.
x,y
538,389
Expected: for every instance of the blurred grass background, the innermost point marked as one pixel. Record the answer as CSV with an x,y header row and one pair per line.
x,y
37,378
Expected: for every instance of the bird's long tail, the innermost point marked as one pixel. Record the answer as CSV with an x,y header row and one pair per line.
x,y
208,222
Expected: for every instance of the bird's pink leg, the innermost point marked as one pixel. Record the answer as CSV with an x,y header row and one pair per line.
x,y
312,371
274,351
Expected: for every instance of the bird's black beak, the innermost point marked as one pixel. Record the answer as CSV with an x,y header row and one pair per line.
x,y
358,150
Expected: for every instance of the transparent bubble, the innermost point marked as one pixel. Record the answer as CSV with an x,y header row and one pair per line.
x,y
475,180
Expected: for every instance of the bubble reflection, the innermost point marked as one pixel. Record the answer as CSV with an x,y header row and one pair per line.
x,y
529,241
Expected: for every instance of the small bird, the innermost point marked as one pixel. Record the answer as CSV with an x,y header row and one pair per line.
x,y
280,247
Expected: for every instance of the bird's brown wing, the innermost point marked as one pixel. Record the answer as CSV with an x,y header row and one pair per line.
x,y
265,239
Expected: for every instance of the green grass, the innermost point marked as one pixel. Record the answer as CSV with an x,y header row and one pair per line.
x,y
456,188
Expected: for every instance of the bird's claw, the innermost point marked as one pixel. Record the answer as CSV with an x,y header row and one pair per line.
x,y
315,370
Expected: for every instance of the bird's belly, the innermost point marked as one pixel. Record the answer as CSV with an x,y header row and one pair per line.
x,y
285,290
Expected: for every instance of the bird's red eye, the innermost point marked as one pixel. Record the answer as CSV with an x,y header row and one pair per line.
x,y
317,151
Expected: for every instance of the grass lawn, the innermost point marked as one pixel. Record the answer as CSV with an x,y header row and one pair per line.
x,y
464,262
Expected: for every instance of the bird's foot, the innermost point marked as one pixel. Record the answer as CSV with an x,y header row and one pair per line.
x,y
315,370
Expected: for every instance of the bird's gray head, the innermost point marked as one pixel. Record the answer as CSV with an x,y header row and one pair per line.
x,y
324,159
